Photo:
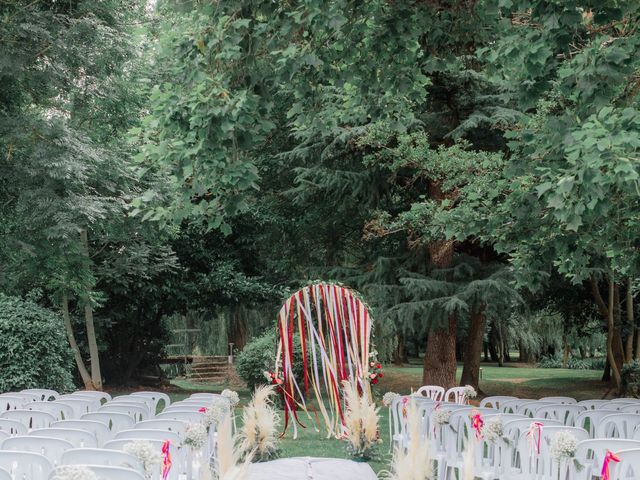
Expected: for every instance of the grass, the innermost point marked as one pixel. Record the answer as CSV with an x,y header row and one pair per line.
x,y
512,379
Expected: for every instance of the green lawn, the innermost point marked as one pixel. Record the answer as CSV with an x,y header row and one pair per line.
x,y
513,379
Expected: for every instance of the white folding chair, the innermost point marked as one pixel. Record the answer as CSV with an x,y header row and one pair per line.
x,y
52,448
12,427
512,406
142,400
528,409
434,392
99,430
11,402
188,416
102,396
157,397
30,418
162,435
629,466
209,396
455,395
115,421
136,411
618,425
93,402
5,475
512,431
496,401
177,455
182,406
25,396
59,410
594,404
109,473
100,456
3,435
590,419
590,455
43,394
25,465
630,408
166,424
79,405
564,412
78,438
563,400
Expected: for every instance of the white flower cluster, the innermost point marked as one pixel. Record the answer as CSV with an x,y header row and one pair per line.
x,y
441,417
470,392
215,412
563,445
148,456
195,435
232,396
492,429
388,398
74,472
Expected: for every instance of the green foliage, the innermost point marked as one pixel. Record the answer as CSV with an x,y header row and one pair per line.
x,y
631,379
34,352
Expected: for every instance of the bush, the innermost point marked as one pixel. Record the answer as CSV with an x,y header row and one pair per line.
x,y
631,379
549,362
259,355
34,351
575,363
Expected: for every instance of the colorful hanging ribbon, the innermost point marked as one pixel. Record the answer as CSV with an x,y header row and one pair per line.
x,y
535,435
203,410
608,458
405,401
166,459
477,424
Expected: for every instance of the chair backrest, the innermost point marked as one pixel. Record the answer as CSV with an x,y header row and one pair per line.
x,y
136,411
100,456
99,429
590,453
42,393
109,473
12,427
209,396
630,408
30,418
147,434
594,404
94,404
566,413
59,410
102,396
79,405
618,425
590,419
496,401
25,465
12,402
120,443
78,438
157,397
166,424
512,406
3,435
628,467
456,395
529,408
52,448
5,475
563,400
184,406
148,402
434,392
115,421
188,416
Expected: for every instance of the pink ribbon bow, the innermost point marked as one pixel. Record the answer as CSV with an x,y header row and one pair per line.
x,y
477,425
166,459
535,433
609,457
203,410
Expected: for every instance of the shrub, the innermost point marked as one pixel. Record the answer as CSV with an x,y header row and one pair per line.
x,y
579,364
575,363
549,362
631,378
34,351
259,355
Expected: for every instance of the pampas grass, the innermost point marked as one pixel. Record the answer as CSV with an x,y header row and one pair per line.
x,y
414,462
468,460
361,421
229,465
259,432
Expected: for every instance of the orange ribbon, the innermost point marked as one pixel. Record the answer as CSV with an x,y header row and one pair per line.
x,y
166,459
609,457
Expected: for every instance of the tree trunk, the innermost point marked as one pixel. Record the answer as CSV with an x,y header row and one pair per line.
x,y
630,324
615,371
565,351
486,351
84,374
440,357
500,347
473,350
94,354
399,353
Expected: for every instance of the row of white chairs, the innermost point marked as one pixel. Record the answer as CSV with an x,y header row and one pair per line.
x,y
41,431
593,425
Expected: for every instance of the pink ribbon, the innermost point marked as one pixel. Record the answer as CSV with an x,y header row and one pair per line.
x,y
535,434
203,410
405,400
609,457
166,459
477,425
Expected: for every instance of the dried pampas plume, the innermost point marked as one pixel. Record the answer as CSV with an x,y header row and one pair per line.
x,y
228,459
259,432
468,460
361,420
414,462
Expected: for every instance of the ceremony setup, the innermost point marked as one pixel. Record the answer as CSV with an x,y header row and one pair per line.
x,y
319,240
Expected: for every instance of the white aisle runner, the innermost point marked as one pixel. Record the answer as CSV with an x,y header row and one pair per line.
x,y
307,468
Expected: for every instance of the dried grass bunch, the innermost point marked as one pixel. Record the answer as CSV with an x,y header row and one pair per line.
x,y
361,422
259,432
